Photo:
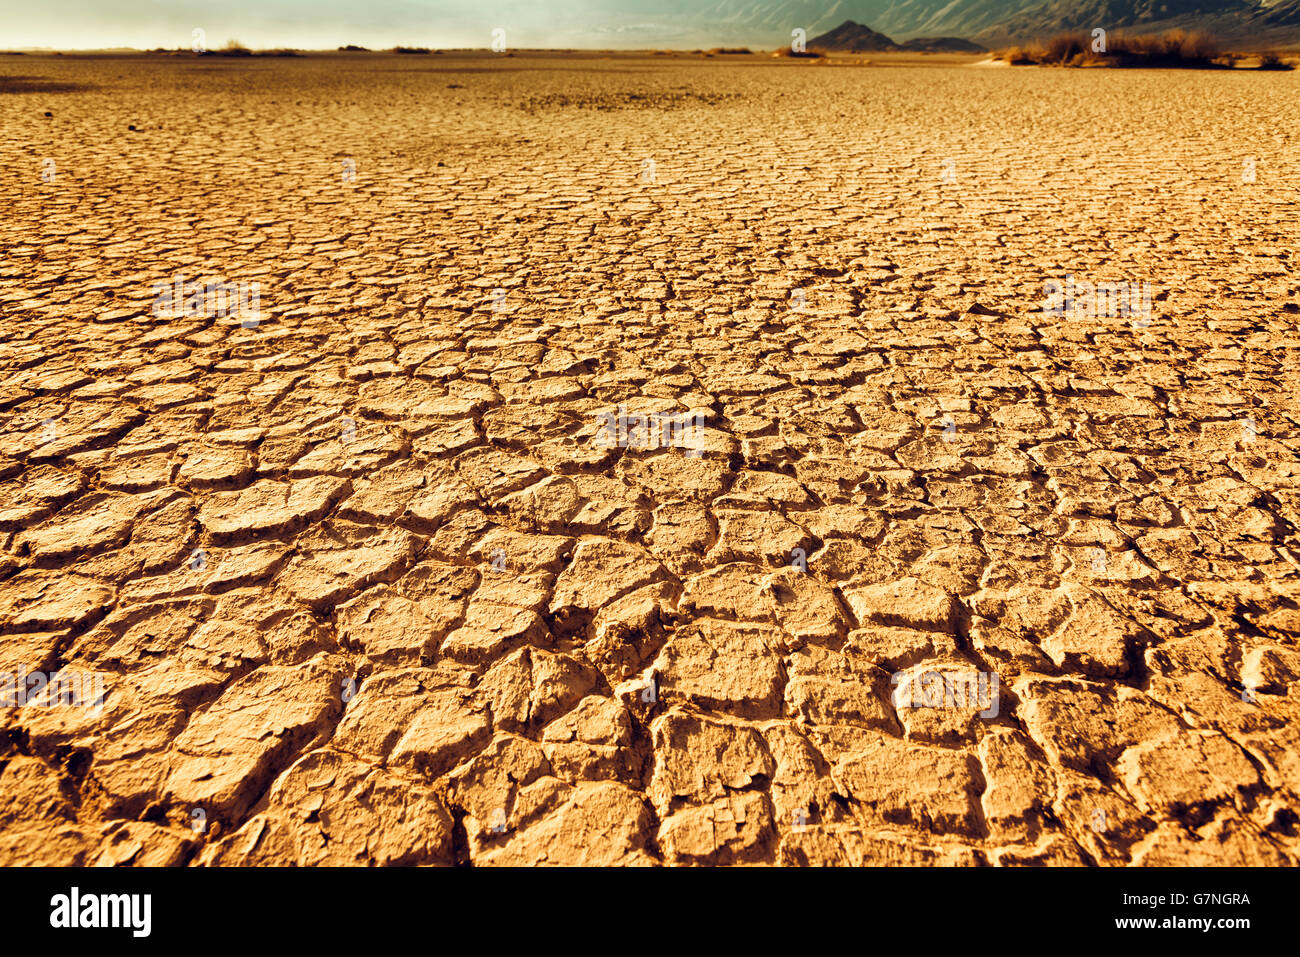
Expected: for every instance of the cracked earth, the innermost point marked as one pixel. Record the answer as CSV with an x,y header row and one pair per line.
x,y
364,587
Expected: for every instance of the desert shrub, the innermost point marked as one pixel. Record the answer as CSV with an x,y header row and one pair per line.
x,y
232,48
1176,48
1271,61
812,53
1018,55
1064,47
1194,46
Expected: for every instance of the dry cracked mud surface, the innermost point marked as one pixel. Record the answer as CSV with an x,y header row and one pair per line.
x,y
364,586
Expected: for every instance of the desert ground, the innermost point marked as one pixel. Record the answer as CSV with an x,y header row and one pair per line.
x,y
614,446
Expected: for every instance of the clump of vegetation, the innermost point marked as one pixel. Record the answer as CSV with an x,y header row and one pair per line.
x,y
812,53
1174,49
235,48
1271,61
1016,56
353,48
1064,48
232,48
732,51
410,50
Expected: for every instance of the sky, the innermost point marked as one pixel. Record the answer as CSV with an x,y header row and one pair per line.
x,y
326,24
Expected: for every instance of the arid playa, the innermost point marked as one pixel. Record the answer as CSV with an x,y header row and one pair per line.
x,y
368,582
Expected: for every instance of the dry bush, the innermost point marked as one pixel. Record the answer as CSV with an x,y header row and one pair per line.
x,y
1064,47
1272,61
731,50
232,48
1195,46
812,53
1017,56
1174,48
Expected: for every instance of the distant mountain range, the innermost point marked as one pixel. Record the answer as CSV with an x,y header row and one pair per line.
x,y
623,24
853,37
990,23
